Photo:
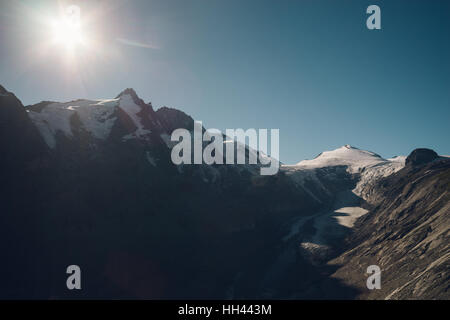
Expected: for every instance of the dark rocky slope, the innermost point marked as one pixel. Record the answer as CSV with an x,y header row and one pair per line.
x,y
137,228
406,233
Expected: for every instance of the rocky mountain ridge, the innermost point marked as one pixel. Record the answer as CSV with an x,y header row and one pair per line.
x,y
91,182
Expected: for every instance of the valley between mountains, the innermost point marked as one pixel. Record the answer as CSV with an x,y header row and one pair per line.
x,y
91,183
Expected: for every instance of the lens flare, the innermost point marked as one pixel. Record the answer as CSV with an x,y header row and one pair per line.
x,y
68,34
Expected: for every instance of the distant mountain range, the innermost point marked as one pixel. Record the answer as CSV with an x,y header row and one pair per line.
x,y
91,183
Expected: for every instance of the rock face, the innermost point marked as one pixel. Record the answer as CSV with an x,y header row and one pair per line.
x,y
421,156
406,234
23,169
19,137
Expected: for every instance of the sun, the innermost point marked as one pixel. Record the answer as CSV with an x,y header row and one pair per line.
x,y
67,31
67,34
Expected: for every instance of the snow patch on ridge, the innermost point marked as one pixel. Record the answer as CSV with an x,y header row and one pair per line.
x,y
128,105
96,117
373,173
347,216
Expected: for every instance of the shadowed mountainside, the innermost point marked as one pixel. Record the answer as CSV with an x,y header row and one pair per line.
x,y
406,233
92,183
99,190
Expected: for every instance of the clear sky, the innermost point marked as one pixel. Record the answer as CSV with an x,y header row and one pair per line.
x,y
308,67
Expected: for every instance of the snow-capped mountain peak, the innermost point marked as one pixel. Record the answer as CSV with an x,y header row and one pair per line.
x,y
97,117
369,167
133,109
349,156
130,92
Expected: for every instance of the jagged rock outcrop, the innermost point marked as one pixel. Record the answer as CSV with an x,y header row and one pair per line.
x,y
421,156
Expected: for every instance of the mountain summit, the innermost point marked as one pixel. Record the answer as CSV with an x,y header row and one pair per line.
x,y
346,155
127,115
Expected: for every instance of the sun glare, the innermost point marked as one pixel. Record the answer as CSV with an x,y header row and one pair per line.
x,y
67,34
67,31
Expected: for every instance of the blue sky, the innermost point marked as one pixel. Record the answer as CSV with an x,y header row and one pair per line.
x,y
310,68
